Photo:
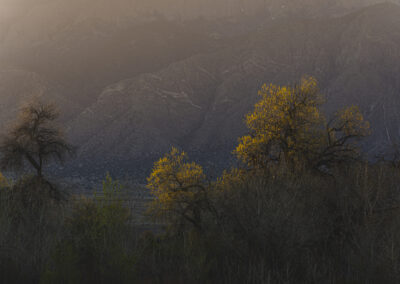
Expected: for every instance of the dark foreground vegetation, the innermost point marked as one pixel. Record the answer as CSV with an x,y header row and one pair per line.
x,y
302,206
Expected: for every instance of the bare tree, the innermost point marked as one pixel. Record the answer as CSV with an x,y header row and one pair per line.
x,y
34,140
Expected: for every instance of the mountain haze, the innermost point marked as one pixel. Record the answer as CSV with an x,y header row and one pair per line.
x,y
132,82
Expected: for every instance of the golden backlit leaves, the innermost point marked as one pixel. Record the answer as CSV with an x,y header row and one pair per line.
x,y
286,128
287,125
352,122
177,184
4,183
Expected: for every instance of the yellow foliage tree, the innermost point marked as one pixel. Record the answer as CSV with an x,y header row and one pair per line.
x,y
179,187
341,134
4,183
287,125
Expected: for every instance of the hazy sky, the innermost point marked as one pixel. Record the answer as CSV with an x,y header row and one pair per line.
x,y
48,12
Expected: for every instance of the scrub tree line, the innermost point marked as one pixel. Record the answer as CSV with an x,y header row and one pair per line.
x,y
301,206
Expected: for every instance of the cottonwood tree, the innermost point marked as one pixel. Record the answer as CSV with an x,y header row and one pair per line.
x,y
287,125
180,189
34,140
341,134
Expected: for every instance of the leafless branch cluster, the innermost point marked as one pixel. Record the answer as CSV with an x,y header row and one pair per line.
x,y
34,140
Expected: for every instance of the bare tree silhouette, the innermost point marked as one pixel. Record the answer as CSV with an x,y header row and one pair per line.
x,y
34,140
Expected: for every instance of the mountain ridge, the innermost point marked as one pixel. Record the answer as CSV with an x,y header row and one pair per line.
x,y
233,76
130,95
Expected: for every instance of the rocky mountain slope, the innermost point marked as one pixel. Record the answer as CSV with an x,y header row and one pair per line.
x,y
71,67
129,90
199,103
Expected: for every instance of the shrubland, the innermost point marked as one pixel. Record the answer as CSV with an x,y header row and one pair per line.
x,y
302,206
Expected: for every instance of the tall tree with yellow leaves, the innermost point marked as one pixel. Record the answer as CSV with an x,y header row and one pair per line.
x,y
179,187
287,125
